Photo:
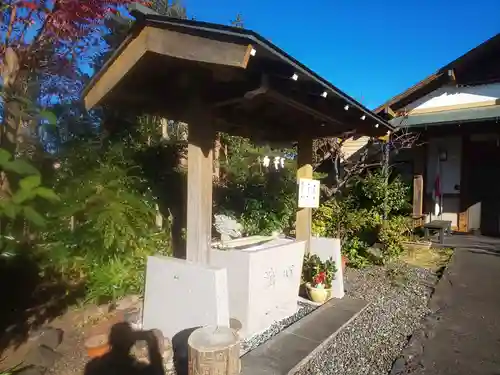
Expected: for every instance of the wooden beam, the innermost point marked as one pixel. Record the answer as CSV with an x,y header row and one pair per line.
x,y
199,196
113,73
388,110
452,75
195,48
329,110
263,88
303,108
304,170
246,124
167,43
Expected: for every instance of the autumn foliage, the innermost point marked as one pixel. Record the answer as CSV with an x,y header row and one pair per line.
x,y
47,50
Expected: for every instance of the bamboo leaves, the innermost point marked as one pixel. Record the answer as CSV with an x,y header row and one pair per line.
x,y
20,203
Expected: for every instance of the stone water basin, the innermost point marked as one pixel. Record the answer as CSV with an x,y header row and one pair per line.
x,y
263,276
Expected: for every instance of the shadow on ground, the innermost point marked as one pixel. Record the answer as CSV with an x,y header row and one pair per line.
x,y
180,350
29,300
119,359
480,244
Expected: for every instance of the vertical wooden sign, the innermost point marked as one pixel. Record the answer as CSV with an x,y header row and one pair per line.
x,y
463,224
418,195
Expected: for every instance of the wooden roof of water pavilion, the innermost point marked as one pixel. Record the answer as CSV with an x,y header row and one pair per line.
x,y
251,87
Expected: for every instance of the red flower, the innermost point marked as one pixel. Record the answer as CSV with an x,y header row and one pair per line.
x,y
320,278
28,4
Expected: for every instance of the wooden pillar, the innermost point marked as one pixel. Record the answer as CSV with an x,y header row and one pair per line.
x,y
419,161
418,200
304,170
463,215
418,194
199,189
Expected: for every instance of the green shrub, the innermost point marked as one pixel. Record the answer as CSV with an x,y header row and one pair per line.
x,y
338,218
19,199
356,217
392,234
262,202
22,199
355,250
370,192
104,227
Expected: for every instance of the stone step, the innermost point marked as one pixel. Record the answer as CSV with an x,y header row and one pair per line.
x,y
286,352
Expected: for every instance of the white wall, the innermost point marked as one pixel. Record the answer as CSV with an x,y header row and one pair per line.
x,y
450,173
450,169
452,95
474,216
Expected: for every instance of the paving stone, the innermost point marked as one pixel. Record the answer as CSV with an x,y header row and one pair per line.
x,y
399,367
31,370
320,325
42,356
128,302
296,344
51,337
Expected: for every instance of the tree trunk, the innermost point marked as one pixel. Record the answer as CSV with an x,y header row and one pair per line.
x,y
217,149
214,351
12,107
164,129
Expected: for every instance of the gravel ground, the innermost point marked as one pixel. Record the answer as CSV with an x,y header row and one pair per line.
x,y
398,296
74,359
260,338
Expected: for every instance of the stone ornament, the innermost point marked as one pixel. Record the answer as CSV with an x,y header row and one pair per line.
x,y
227,227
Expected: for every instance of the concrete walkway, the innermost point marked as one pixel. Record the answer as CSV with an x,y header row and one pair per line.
x,y
466,336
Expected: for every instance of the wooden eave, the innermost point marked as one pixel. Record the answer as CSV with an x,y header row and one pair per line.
x,y
166,66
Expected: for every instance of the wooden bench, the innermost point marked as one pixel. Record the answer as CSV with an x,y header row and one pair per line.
x,y
443,226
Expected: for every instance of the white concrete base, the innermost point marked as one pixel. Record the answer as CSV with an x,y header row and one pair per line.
x,y
326,248
264,282
181,295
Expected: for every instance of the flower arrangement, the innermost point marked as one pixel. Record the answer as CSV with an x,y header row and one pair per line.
x,y
317,273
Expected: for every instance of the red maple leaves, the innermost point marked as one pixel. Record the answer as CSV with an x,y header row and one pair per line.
x,y
68,19
27,4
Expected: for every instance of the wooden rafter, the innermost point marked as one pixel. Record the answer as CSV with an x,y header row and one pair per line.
x,y
302,107
388,110
452,75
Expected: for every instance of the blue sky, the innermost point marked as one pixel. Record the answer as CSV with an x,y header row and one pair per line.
x,y
370,49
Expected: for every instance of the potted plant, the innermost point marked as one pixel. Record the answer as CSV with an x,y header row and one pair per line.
x,y
318,276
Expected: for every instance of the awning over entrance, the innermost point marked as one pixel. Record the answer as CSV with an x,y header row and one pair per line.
x,y
251,88
448,117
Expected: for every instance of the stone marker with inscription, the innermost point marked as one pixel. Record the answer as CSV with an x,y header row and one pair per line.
x,y
180,294
263,281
